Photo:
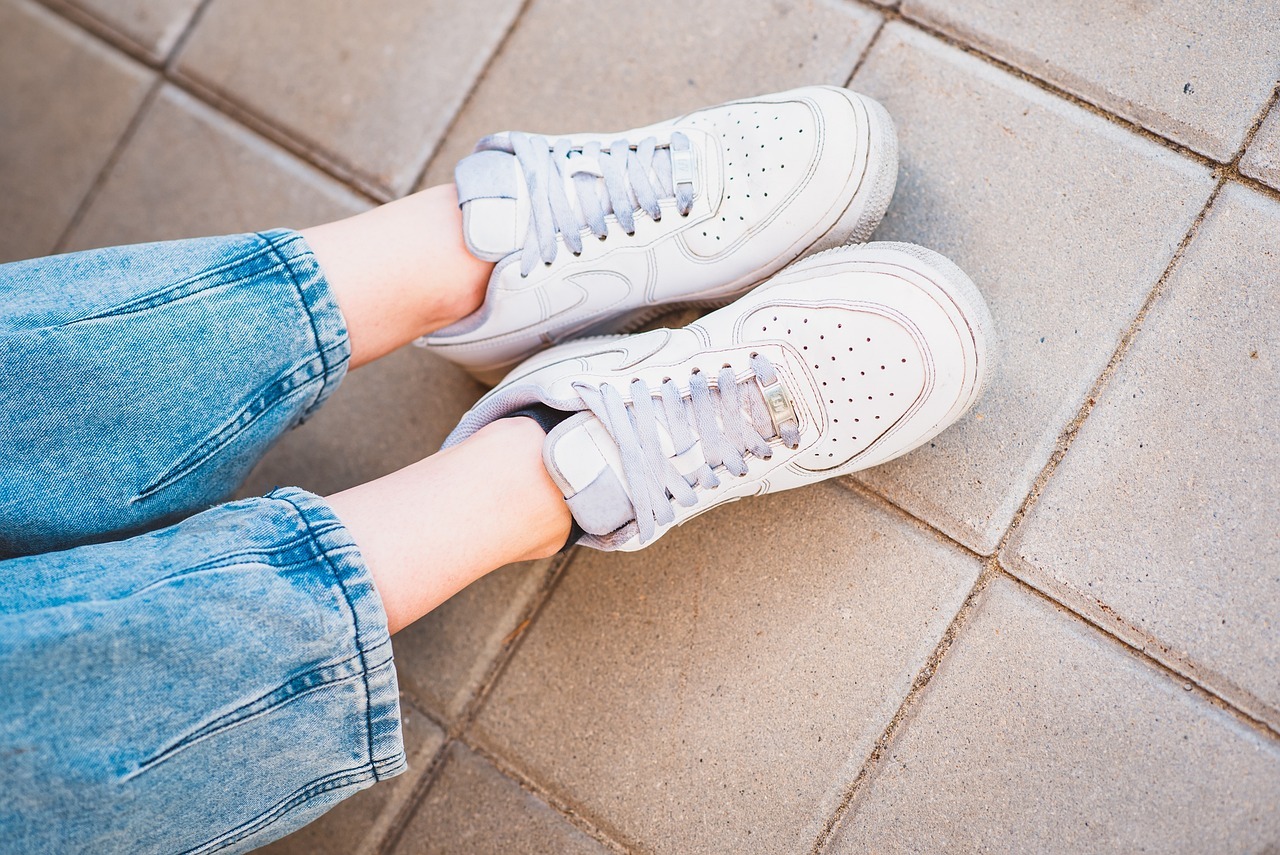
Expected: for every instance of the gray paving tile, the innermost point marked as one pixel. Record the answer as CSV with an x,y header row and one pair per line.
x,y
618,68
189,171
153,25
1039,734
443,658
473,809
384,416
1064,221
373,88
1262,160
357,825
716,692
1197,73
1165,512
65,99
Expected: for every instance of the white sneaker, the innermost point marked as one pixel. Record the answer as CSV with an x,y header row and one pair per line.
x,y
844,360
601,232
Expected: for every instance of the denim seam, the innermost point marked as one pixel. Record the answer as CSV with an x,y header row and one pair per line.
x,y
264,553
332,781
323,554
231,719
307,306
218,439
221,563
151,300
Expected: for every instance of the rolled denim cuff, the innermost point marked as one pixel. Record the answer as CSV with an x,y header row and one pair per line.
x,y
140,384
206,687
327,323
338,552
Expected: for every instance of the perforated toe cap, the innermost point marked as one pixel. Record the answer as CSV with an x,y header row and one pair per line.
x,y
769,152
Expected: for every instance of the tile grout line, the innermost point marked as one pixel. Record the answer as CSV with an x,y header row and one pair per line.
x,y
1066,439
197,15
247,118
374,192
956,41
994,568
562,807
1205,684
868,492
103,30
456,732
922,677
312,155
1206,691
866,52
1250,134
108,166
883,744
1206,694
1100,384
498,668
349,177
131,129
421,174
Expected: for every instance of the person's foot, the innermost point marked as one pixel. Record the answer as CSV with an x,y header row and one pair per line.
x,y
844,360
600,232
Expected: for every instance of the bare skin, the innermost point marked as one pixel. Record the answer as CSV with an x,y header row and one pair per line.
x,y
400,270
432,528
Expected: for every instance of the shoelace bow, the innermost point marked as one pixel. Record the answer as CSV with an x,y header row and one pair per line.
x,y
634,177
730,419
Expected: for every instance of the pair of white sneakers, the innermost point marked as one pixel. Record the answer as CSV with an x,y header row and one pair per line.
x,y
828,356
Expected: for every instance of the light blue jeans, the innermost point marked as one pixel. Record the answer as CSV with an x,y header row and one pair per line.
x,y
212,685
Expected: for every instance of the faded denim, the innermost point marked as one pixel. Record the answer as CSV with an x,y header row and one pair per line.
x,y
212,685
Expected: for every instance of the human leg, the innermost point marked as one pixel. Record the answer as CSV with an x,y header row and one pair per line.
x,y
400,271
489,502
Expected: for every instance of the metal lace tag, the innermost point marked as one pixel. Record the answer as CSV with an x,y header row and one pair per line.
x,y
780,409
681,167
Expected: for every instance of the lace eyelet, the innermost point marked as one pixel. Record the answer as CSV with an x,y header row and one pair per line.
x,y
577,255
603,237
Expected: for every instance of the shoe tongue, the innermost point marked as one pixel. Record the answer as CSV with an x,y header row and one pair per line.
x,y
584,462
494,200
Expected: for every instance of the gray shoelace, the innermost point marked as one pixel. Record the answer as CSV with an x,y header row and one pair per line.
x,y
633,178
730,419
